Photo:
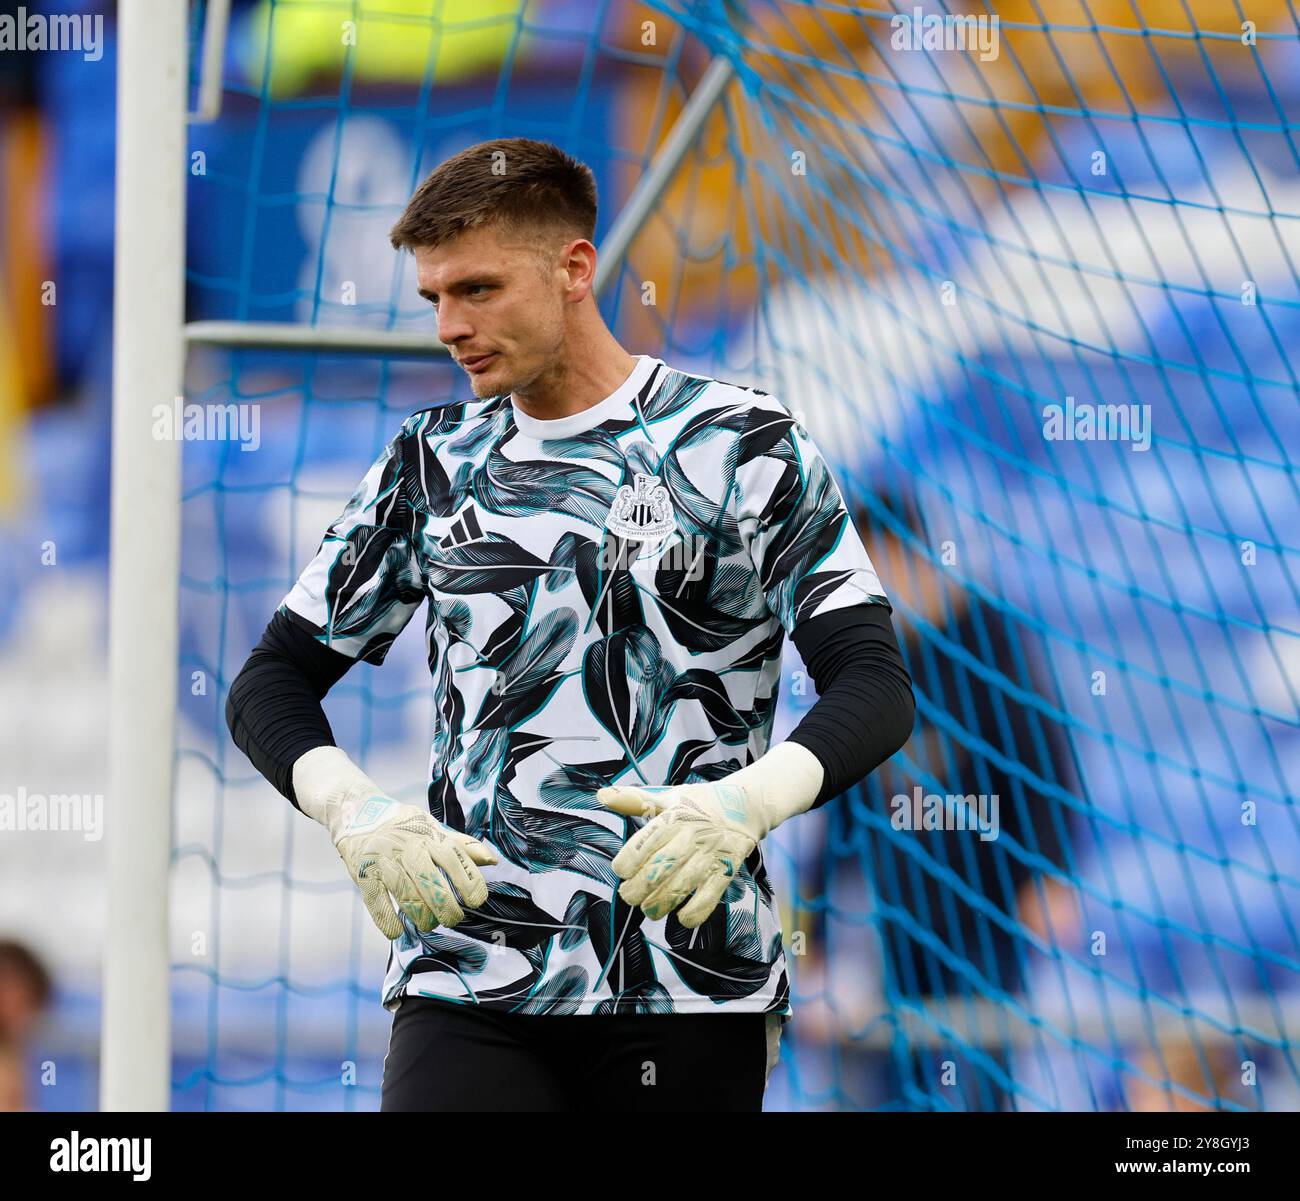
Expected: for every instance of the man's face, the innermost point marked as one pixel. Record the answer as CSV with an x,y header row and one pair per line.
x,y
500,306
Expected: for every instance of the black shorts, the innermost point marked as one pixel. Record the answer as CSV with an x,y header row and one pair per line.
x,y
443,1056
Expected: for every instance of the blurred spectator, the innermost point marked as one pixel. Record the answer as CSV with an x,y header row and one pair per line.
x,y
25,989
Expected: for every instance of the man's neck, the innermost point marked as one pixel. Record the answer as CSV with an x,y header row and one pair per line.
x,y
584,377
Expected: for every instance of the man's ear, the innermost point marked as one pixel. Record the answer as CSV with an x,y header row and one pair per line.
x,y
579,259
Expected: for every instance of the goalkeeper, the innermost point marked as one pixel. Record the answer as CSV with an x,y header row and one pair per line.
x,y
610,552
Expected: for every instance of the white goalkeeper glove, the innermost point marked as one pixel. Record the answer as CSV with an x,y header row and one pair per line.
x,y
701,834
391,849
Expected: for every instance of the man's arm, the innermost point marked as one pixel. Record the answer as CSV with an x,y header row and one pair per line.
x,y
354,597
865,707
392,851
350,602
274,706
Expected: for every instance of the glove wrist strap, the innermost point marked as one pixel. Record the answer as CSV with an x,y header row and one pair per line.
x,y
330,787
783,782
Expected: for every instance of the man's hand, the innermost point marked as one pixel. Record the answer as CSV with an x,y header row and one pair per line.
x,y
700,835
397,849
695,843
396,853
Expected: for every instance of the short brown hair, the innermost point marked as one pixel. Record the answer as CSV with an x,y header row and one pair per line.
x,y
512,181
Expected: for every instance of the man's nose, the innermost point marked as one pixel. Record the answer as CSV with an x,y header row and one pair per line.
x,y
452,327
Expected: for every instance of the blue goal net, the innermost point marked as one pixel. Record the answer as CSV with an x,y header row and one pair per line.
x,y
1028,275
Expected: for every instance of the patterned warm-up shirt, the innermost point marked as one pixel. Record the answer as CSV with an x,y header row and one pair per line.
x,y
608,596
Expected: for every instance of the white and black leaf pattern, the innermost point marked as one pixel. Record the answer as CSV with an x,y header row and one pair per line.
x,y
574,785
517,489
627,683
676,393
565,658
355,604
491,566
722,958
806,526
693,608
565,992
569,843
529,674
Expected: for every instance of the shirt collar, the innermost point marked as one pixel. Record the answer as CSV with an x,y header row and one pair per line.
x,y
613,405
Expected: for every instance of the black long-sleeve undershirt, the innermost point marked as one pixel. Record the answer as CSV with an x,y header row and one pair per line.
x,y
863,714
274,707
865,707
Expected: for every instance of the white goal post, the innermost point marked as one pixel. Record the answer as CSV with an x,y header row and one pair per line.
x,y
144,558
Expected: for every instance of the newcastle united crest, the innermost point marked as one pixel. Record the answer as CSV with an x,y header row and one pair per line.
x,y
643,512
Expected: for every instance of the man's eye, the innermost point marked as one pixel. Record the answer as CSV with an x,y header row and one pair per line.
x,y
474,288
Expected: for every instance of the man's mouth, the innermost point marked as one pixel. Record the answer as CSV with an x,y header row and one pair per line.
x,y
476,363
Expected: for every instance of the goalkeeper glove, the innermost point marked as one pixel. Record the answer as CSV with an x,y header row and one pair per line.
x,y
699,835
391,848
